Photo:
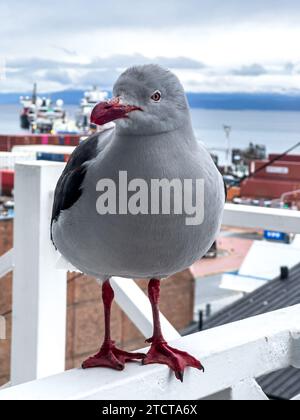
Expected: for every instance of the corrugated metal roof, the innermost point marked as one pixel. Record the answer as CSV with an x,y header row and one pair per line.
x,y
275,295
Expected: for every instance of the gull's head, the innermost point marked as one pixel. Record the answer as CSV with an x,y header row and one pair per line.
x,y
148,100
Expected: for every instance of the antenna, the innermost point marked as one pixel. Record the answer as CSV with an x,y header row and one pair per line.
x,y
228,130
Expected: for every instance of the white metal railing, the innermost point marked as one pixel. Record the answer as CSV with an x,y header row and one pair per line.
x,y
234,355
39,289
252,217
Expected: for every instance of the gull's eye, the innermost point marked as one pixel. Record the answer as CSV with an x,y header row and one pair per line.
x,y
156,97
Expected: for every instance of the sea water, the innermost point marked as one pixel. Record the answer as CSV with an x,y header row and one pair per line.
x,y
278,131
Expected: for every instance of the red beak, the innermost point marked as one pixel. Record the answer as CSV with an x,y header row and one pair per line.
x,y
112,110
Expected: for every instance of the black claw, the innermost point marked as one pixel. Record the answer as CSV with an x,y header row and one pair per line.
x,y
180,376
202,369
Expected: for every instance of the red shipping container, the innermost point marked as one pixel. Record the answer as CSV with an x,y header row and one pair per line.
x,y
7,178
289,171
267,188
287,158
7,142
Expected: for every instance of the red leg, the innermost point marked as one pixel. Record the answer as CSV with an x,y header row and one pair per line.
x,y
160,352
109,355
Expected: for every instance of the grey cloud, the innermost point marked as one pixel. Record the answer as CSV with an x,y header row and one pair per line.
x,y
180,63
47,28
124,61
291,68
103,78
79,15
257,69
59,76
112,62
251,70
102,71
66,51
34,63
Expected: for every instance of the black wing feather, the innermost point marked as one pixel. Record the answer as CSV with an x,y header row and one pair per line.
x,y
68,189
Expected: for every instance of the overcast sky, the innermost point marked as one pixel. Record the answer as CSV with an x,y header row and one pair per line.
x,y
213,45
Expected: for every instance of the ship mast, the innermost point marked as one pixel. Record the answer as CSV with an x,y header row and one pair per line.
x,y
34,94
228,130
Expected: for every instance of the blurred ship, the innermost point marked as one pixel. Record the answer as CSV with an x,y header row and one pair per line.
x,y
89,101
41,116
47,116
28,113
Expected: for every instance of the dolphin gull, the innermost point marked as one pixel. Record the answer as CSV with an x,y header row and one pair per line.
x,y
153,140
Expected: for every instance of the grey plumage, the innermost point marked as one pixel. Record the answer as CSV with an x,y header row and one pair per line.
x,y
157,143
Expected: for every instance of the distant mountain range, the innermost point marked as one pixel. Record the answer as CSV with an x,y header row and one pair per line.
x,y
224,101
245,101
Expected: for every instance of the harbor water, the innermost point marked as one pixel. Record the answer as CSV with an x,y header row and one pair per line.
x,y
277,130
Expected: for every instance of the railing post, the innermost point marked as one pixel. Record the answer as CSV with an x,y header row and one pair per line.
x,y
39,290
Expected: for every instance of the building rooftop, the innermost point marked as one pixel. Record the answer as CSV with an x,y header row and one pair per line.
x,y
275,295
